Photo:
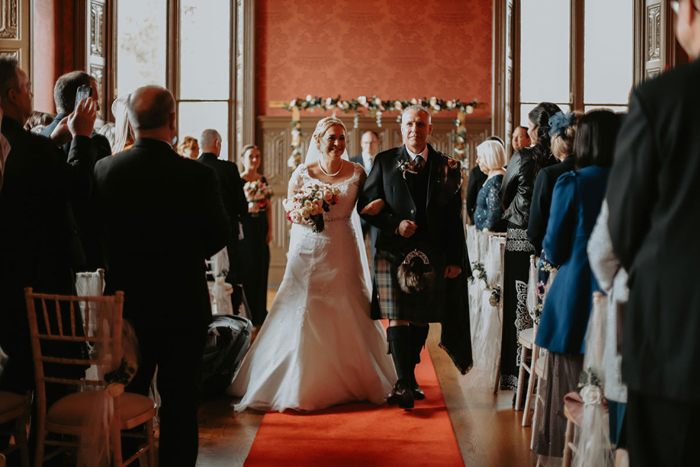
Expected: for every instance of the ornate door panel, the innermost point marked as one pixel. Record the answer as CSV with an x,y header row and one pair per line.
x,y
15,33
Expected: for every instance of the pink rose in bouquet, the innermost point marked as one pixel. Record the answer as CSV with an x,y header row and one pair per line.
x,y
310,203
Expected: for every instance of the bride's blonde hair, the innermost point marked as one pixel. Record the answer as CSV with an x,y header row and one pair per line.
x,y
322,127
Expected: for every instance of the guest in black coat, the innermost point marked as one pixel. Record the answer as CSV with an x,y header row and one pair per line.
x,y
163,217
35,233
231,190
64,95
516,196
370,147
654,204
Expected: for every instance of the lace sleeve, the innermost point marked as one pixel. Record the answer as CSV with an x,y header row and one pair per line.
x,y
493,205
295,181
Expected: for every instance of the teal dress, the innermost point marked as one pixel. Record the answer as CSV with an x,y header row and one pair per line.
x,y
576,203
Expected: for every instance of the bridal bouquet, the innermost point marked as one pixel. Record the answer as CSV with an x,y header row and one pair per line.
x,y
257,193
309,203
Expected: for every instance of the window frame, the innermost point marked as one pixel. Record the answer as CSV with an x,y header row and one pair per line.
x,y
576,61
241,83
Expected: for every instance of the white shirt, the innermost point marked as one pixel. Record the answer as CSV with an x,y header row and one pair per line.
x,y
423,154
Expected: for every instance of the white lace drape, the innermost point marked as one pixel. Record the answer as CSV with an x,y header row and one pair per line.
x,y
485,317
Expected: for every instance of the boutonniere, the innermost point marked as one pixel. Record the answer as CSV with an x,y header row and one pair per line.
x,y
452,163
405,166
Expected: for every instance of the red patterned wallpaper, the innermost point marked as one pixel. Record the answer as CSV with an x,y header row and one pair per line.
x,y
396,49
53,48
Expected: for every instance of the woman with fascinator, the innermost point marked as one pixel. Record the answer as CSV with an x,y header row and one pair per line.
x,y
318,346
516,196
576,202
562,129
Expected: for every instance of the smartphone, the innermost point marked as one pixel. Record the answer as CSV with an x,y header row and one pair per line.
x,y
83,93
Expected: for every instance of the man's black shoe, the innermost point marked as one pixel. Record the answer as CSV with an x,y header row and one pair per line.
x,y
402,395
418,393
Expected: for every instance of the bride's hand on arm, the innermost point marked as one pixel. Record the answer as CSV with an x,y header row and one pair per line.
x,y
373,208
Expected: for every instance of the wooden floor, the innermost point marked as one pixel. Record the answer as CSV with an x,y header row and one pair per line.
x,y
487,428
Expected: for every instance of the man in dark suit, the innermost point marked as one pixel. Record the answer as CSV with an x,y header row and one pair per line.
x,y
35,232
370,147
162,217
421,191
64,95
654,204
231,189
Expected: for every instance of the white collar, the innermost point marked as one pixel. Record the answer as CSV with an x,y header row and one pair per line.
x,y
423,154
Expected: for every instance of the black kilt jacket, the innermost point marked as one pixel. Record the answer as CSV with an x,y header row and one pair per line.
x,y
442,237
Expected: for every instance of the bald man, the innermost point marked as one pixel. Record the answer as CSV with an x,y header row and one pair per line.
x,y
163,216
231,189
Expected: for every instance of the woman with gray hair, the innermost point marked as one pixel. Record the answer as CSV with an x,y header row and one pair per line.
x,y
491,158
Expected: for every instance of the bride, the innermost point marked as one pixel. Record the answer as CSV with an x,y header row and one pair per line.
x,y
318,346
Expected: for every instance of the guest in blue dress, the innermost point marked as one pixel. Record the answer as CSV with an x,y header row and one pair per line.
x,y
491,157
576,202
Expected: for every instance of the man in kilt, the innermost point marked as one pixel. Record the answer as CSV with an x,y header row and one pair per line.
x,y
421,261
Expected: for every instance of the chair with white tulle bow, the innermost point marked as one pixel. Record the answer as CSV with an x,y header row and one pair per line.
x,y
97,416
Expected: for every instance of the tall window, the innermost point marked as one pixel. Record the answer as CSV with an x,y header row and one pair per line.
x,y
142,32
549,69
200,69
608,54
545,54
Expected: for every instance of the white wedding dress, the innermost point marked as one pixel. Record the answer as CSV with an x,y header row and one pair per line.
x,y
318,346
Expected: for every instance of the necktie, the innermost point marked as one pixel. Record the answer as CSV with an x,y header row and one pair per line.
x,y
419,162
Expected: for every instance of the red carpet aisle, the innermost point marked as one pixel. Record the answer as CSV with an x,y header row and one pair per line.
x,y
362,434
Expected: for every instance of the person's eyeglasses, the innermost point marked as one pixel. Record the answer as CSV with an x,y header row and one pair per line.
x,y
675,6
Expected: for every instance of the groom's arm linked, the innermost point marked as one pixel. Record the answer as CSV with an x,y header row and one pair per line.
x,y
373,190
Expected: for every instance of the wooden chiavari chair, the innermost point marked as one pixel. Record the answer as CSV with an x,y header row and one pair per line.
x,y
57,319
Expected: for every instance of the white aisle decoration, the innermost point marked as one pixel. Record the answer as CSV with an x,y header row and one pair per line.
x,y
486,253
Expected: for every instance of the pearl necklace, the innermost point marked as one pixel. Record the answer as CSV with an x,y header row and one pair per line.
x,y
320,166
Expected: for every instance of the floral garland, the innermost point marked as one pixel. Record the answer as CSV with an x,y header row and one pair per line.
x,y
479,272
374,106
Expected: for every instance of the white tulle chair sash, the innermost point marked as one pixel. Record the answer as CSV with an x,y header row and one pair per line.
x,y
486,253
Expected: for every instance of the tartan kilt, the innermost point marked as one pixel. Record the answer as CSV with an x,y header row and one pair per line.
x,y
390,302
